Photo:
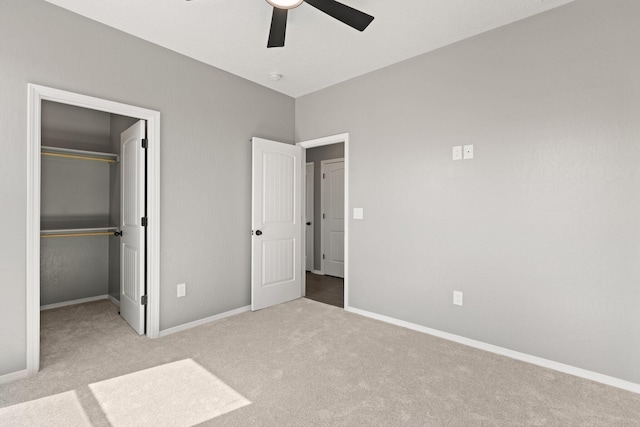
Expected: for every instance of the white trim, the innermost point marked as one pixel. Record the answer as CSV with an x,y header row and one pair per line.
x,y
318,272
18,375
36,94
33,231
545,363
308,165
204,321
328,140
113,300
72,302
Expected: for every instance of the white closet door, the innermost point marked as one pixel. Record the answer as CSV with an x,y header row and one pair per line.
x,y
132,246
333,221
276,250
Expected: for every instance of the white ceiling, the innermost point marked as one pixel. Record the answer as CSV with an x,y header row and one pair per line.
x,y
319,51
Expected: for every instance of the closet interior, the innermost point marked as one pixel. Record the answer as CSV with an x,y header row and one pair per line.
x,y
80,204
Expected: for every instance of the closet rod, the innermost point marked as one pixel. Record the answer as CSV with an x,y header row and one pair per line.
x,y
100,233
75,156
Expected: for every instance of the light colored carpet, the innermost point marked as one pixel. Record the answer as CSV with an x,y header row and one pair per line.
x,y
175,394
305,363
63,410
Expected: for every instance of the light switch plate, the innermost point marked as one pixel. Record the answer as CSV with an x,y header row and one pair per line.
x,y
457,152
468,152
182,289
358,213
457,298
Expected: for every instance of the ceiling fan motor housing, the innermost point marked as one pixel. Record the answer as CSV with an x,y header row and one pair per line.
x,y
343,13
285,4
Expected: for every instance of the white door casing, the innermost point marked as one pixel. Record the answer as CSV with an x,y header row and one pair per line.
x,y
328,140
333,211
309,220
276,223
37,94
132,242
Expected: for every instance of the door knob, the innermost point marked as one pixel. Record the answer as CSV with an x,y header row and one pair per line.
x,y
258,233
308,223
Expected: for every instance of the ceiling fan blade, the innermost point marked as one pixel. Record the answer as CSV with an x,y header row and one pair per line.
x,y
278,28
350,16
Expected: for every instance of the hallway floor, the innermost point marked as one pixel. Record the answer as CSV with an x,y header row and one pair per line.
x,y
325,289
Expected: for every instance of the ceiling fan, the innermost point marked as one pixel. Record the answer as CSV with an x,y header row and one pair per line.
x,y
350,16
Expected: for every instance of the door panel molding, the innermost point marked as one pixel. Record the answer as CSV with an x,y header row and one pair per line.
x,y
276,223
132,182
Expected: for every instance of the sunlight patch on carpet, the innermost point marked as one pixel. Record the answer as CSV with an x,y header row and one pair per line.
x,y
62,409
181,393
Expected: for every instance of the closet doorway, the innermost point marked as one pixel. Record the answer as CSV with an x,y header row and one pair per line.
x,y
92,233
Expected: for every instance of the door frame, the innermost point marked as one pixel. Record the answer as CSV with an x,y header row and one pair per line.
x,y
323,208
318,142
37,94
312,166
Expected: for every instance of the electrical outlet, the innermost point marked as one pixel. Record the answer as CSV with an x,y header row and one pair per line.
x,y
182,289
468,152
457,298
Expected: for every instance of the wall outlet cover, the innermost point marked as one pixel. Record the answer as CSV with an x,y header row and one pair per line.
x,y
457,152
468,152
182,289
457,298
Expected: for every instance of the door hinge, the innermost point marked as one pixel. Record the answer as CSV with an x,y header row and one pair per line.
x,y
322,176
322,256
145,143
144,221
143,300
322,216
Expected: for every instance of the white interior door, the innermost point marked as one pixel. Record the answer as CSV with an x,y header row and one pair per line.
x,y
276,250
132,243
333,217
309,222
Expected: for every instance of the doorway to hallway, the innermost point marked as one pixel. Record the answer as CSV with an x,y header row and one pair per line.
x,y
325,289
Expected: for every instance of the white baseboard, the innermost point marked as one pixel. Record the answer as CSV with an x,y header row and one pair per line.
x,y
18,375
72,302
318,272
556,366
206,320
113,300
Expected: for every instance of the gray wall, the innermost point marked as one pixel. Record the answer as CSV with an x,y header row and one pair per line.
x,y
72,268
208,117
541,231
68,126
74,194
317,155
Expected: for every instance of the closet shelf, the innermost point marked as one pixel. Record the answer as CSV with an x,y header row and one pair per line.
x,y
71,153
80,232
